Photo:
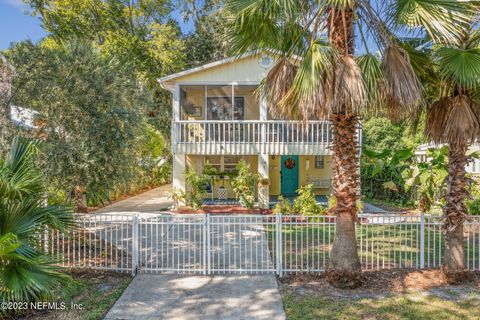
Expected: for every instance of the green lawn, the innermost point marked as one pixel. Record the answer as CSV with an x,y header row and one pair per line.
x,y
307,247
399,306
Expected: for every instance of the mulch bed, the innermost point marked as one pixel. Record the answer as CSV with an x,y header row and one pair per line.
x,y
375,282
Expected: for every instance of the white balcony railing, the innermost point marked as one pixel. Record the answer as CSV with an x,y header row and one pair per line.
x,y
252,137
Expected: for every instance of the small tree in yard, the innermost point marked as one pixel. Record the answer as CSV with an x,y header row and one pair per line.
x,y
244,184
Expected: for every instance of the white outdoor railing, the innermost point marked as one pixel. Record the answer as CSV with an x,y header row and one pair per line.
x,y
251,243
246,136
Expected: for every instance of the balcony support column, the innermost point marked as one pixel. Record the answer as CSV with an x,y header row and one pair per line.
x,y
179,168
263,189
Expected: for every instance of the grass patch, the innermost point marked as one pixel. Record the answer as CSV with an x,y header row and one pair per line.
x,y
96,292
307,245
400,306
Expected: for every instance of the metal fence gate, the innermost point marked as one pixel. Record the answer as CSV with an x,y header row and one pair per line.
x,y
250,243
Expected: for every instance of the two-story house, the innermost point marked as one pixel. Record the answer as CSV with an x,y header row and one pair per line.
x,y
219,117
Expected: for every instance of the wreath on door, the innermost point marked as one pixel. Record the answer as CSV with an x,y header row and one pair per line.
x,y
289,163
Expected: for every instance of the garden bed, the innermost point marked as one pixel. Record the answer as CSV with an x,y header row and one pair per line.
x,y
96,292
399,294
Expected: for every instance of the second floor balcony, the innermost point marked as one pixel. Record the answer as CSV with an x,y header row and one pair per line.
x,y
252,137
230,118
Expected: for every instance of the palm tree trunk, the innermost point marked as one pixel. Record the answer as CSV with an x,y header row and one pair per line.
x,y
344,265
455,212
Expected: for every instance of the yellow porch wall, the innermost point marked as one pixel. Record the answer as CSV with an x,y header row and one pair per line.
x,y
304,175
196,162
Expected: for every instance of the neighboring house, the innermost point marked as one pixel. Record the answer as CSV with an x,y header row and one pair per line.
x,y
473,166
208,127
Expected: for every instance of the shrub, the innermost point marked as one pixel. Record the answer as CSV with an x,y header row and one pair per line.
x,y
283,206
305,203
244,184
196,188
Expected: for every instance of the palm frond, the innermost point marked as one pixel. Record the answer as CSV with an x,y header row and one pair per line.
x,y
462,66
277,83
310,92
403,90
373,79
444,20
436,119
265,25
462,125
349,91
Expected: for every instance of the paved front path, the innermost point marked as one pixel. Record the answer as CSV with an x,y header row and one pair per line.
x,y
171,296
180,296
150,201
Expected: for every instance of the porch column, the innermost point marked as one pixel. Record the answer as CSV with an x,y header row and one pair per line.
x,y
179,168
263,125
175,117
263,172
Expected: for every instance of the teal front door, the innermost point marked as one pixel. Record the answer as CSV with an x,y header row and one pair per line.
x,y
289,175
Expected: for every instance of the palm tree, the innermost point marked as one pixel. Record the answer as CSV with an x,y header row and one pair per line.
x,y
454,119
318,76
26,273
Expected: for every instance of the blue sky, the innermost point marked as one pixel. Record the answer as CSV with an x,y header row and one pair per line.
x,y
16,24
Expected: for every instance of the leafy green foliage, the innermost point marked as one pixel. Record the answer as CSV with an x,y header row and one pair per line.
x,y
196,188
305,203
382,175
90,121
26,273
428,178
244,184
155,167
398,177
474,206
283,206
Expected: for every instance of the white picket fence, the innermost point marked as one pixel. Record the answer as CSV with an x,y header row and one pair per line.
x,y
250,243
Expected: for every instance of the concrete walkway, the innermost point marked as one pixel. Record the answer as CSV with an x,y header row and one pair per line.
x,y
180,296
172,296
150,201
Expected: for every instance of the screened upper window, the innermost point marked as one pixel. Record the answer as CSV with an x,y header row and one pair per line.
x,y
219,102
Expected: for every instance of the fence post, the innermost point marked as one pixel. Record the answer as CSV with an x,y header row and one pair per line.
x,y
204,244
135,244
422,240
278,243
207,222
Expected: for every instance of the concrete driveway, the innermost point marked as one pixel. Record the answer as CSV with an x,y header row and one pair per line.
x,y
173,296
151,201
